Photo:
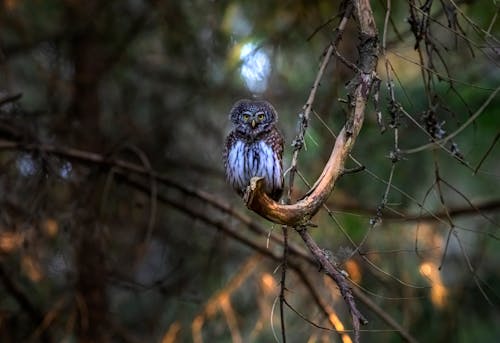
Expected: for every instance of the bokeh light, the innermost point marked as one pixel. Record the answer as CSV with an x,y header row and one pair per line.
x,y
256,67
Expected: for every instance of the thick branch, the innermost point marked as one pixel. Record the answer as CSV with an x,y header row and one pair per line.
x,y
302,211
299,214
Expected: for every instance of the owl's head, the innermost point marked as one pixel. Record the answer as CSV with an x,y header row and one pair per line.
x,y
252,116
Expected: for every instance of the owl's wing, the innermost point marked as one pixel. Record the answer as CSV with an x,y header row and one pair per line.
x,y
275,140
230,140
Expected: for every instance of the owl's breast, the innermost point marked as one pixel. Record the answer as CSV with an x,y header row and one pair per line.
x,y
260,158
235,165
250,159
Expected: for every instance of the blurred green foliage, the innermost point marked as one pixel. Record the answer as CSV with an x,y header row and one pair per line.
x,y
152,82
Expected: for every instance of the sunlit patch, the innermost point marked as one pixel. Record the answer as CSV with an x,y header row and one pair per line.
x,y
171,336
256,67
438,291
338,325
31,268
10,241
50,227
196,327
268,282
353,270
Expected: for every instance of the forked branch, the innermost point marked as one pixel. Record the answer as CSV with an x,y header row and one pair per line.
x,y
299,214
302,211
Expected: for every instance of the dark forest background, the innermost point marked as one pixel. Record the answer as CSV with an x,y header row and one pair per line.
x,y
116,224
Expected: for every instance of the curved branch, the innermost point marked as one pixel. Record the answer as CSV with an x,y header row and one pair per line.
x,y
302,211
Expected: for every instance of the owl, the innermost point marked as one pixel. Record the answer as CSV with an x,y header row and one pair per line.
x,y
254,147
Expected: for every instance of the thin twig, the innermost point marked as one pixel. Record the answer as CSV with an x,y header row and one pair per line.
x,y
10,98
457,131
444,77
492,145
386,21
303,122
284,265
338,277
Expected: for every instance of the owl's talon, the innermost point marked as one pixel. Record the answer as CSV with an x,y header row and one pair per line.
x,y
255,183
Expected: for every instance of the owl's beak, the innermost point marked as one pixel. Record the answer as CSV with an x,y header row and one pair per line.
x,y
253,124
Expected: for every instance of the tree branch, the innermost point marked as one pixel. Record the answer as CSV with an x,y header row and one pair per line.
x,y
302,211
339,278
479,207
124,167
299,214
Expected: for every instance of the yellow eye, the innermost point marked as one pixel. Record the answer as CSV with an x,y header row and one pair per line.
x,y
260,117
246,117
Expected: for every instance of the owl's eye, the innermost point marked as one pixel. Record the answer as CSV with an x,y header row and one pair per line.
x,y
260,117
246,117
